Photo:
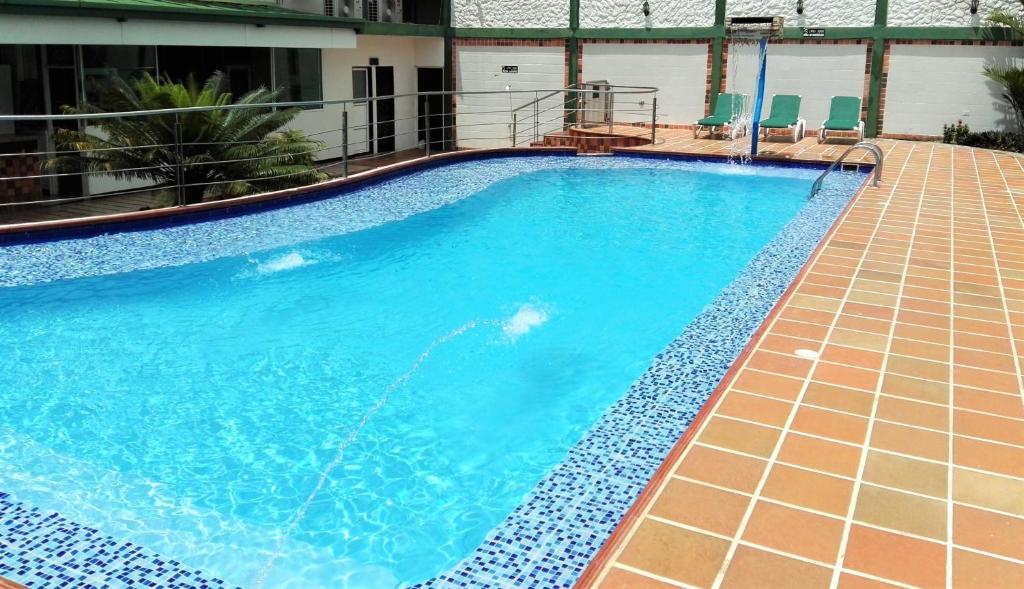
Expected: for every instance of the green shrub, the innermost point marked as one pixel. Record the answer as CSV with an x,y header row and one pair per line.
x,y
955,133
1002,140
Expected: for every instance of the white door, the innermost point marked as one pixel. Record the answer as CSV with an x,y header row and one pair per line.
x,y
359,113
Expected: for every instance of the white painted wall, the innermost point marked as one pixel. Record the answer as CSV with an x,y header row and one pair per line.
x,y
65,30
944,13
932,85
479,68
510,13
817,13
816,73
678,71
405,54
627,13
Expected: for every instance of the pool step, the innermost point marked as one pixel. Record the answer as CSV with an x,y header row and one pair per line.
x,y
593,140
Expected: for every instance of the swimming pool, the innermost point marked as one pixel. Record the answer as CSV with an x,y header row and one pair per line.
x,y
355,391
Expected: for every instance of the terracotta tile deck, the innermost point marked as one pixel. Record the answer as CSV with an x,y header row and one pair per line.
x,y
890,451
892,455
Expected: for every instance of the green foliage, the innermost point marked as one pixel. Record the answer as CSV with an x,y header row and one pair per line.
x,y
224,153
955,133
1009,77
1012,81
1014,22
1001,140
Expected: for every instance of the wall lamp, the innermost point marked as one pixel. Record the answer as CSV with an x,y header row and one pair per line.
x,y
974,6
800,6
646,8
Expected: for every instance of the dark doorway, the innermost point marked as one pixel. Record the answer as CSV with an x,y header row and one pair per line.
x,y
384,85
431,79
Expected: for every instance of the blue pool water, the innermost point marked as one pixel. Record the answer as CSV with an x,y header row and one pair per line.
x,y
456,331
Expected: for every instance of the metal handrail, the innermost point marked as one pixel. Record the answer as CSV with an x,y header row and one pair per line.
x,y
866,146
177,178
545,97
306,103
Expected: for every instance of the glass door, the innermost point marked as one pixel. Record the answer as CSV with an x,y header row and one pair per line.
x,y
360,131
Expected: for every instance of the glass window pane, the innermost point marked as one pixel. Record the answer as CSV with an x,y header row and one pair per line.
x,y
102,63
244,68
297,74
359,89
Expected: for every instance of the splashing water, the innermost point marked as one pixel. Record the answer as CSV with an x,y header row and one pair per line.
x,y
521,323
745,57
285,262
528,317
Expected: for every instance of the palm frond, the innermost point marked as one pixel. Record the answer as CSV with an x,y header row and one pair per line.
x,y
222,152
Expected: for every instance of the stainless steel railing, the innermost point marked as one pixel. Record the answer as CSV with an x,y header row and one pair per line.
x,y
351,135
876,174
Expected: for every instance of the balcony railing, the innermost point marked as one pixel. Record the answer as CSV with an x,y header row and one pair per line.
x,y
40,181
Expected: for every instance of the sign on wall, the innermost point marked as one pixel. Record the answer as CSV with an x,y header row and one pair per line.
x,y
510,69
814,33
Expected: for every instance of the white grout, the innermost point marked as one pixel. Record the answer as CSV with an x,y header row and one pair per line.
x,y
975,231
952,368
995,260
848,524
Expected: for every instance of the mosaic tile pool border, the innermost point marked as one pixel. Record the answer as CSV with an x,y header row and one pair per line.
x,y
551,537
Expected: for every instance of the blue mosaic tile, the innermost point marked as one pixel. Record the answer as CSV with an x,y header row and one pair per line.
x,y
545,542
41,549
613,462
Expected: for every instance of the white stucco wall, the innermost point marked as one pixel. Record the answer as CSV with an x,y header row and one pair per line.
x,y
816,73
405,54
678,71
919,102
626,13
485,120
817,13
510,13
944,13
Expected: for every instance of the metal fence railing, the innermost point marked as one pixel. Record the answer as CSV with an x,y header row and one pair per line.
x,y
106,162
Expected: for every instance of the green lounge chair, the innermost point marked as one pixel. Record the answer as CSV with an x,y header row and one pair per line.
x,y
785,115
843,115
727,108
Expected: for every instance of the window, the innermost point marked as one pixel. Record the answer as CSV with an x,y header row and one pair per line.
x,y
244,68
297,75
102,63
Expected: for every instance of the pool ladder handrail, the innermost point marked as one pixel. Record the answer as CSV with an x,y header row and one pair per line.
x,y
866,146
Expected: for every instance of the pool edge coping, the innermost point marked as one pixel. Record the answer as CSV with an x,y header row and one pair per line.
x,y
711,401
606,553
78,227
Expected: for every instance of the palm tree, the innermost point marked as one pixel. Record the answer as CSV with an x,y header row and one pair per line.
x,y
1011,78
1014,22
222,153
